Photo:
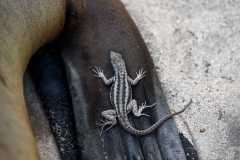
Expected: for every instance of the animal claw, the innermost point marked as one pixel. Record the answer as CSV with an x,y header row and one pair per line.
x,y
145,115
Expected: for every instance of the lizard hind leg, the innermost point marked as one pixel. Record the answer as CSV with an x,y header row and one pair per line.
x,y
137,111
110,116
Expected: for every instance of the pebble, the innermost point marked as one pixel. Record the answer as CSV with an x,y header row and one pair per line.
x,y
202,130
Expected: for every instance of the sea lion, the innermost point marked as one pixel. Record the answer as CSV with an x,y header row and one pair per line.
x,y
25,27
92,29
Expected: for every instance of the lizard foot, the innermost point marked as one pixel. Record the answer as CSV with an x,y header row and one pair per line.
x,y
140,74
98,71
142,107
106,123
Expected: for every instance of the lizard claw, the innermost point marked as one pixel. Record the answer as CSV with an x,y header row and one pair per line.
x,y
105,123
102,128
145,115
141,108
101,124
98,71
109,127
140,74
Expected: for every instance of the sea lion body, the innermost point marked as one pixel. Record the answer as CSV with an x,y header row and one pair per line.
x,y
25,27
92,29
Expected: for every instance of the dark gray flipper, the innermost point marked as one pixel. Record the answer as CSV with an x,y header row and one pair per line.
x,y
92,30
49,76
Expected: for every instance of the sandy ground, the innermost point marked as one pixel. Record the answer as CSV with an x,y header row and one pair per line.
x,y
195,47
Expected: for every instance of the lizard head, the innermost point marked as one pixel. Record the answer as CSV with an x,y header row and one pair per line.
x,y
116,60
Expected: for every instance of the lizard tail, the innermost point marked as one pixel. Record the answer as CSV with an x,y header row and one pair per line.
x,y
127,126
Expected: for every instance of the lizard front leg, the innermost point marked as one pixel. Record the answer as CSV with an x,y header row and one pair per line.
x,y
100,74
137,111
140,75
110,116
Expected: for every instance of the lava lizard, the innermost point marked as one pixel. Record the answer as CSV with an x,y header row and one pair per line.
x,y
121,98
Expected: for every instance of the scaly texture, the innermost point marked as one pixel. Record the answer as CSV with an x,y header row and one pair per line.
x,y
121,98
